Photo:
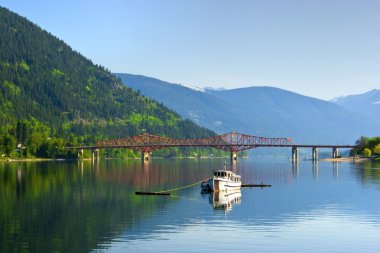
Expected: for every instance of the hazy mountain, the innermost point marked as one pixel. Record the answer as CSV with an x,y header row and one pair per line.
x,y
207,110
263,111
367,103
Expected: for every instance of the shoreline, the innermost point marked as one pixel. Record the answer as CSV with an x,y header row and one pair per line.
x,y
347,159
35,160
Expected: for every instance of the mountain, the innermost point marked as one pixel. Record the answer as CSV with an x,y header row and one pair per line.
x,y
50,95
367,103
262,111
200,107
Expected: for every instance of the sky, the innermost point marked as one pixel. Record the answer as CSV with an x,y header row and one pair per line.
x,y
318,48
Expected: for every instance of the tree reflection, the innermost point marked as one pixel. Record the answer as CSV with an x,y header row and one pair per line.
x,y
70,207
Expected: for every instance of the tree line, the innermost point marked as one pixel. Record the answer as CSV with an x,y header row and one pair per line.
x,y
367,147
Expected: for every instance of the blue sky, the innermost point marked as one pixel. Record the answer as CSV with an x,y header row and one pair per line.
x,y
313,47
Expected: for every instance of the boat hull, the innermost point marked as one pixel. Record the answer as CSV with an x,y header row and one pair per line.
x,y
221,184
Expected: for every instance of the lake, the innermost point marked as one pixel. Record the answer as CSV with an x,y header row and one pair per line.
x,y
90,206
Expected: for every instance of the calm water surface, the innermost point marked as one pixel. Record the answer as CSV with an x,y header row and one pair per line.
x,y
91,207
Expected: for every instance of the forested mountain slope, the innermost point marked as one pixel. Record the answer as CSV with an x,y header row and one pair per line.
x,y
50,95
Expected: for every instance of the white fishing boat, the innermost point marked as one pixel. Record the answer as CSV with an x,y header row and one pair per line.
x,y
222,180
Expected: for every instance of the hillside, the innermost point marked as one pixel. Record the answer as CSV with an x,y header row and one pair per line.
x,y
263,111
204,109
367,103
51,95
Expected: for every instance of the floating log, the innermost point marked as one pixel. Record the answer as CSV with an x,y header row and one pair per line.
x,y
256,185
153,193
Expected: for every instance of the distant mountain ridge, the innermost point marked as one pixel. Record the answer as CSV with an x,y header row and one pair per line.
x,y
367,103
200,107
262,111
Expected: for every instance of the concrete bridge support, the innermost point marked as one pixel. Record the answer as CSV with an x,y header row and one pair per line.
x,y
234,156
315,153
335,152
294,154
95,154
145,156
80,153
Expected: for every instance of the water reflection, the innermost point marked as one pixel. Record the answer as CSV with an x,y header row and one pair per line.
x,y
336,169
85,206
315,169
225,200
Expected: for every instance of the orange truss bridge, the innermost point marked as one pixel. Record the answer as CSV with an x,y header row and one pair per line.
x,y
232,142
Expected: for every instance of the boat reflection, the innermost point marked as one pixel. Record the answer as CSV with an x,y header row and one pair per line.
x,y
225,200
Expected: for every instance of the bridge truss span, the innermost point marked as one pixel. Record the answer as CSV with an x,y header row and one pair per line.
x,y
232,142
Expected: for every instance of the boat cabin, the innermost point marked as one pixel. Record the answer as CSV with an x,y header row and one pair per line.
x,y
228,175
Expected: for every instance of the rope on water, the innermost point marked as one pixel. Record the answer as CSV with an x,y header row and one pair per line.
x,y
183,187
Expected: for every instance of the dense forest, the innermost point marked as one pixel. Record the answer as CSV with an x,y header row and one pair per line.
x,y
52,97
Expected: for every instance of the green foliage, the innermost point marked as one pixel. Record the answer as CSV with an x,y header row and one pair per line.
x,y
52,97
57,73
8,144
367,152
13,90
367,146
376,149
23,65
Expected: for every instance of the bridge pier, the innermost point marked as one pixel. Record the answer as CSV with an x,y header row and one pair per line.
x,y
145,156
95,154
234,156
294,154
315,153
335,152
80,153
